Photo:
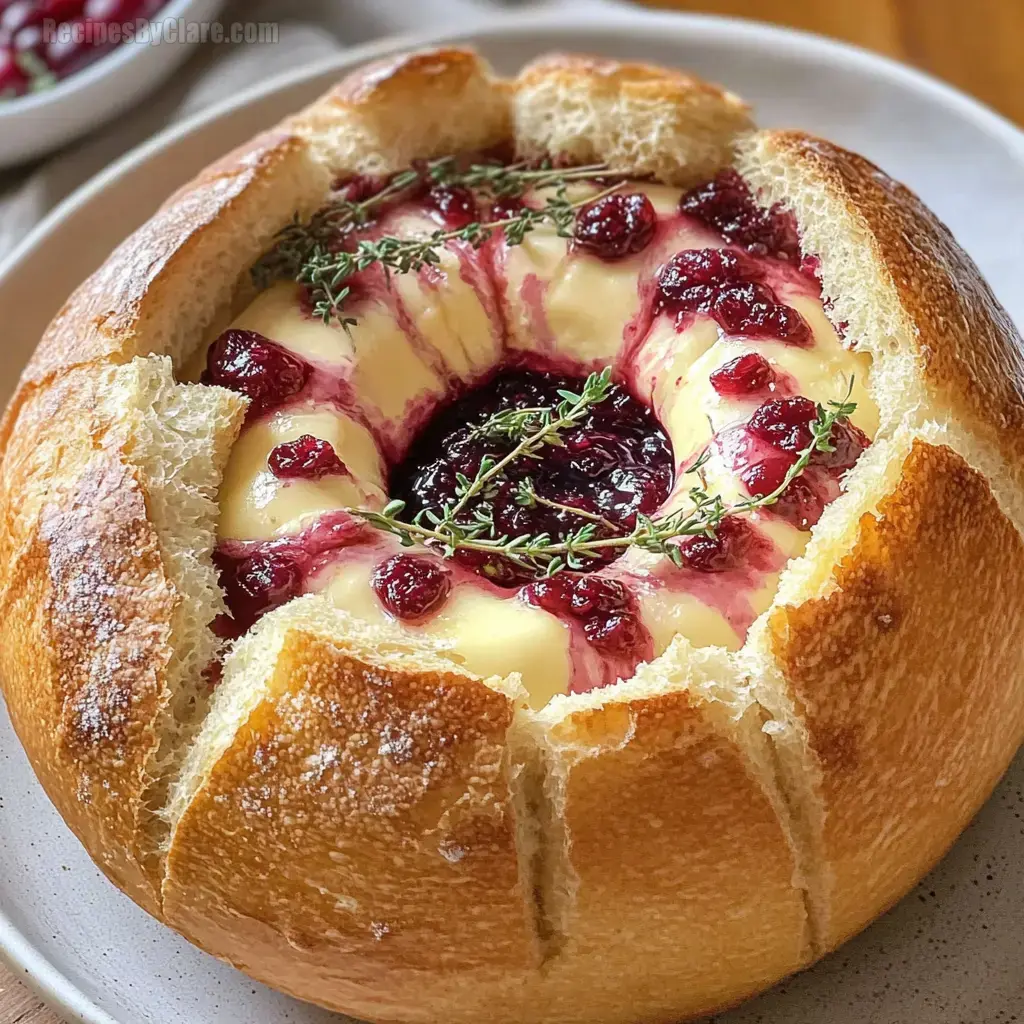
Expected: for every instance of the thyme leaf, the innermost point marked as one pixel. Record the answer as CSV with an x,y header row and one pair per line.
x,y
543,555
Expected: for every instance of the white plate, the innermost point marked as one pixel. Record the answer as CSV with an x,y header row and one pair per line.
x,y
40,122
952,951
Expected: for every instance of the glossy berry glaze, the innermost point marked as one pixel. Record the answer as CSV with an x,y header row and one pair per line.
x,y
265,372
411,587
616,226
305,458
739,272
259,576
614,463
606,614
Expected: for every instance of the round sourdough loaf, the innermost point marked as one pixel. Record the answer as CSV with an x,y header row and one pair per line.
x,y
352,817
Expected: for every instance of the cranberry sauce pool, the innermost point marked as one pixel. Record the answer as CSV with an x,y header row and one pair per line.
x,y
613,464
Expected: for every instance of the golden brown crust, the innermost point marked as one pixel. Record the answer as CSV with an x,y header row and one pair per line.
x,y
86,611
374,806
414,106
971,354
437,75
909,676
104,318
159,290
683,875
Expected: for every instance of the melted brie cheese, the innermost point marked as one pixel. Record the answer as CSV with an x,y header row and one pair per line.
x,y
255,505
491,634
422,334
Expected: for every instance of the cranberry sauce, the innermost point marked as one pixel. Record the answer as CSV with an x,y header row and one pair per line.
x,y
725,204
616,226
602,613
255,366
305,458
612,466
729,287
762,451
615,463
258,576
411,587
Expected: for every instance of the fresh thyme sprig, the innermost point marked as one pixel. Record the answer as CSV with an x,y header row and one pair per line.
x,y
527,496
508,180
545,556
572,408
314,252
511,424
297,242
326,270
544,421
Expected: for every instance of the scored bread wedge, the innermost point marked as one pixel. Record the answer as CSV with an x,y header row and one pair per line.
x,y
108,591
893,678
354,818
365,780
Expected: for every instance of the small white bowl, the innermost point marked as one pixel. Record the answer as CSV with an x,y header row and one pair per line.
x,y
39,122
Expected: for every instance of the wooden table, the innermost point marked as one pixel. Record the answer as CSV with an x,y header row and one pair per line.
x,y
977,45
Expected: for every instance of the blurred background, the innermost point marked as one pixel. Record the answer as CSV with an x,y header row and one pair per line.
x,y
59,84
69,105
977,45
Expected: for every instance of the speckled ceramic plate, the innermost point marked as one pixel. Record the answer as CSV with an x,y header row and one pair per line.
x,y
951,952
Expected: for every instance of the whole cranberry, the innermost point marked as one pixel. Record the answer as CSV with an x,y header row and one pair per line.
x,y
455,203
621,634
616,226
410,587
726,550
800,504
594,594
727,204
766,476
692,268
553,595
258,584
305,458
848,442
743,376
750,310
13,81
784,422
253,365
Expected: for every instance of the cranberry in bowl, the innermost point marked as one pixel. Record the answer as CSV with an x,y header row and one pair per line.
x,y
62,74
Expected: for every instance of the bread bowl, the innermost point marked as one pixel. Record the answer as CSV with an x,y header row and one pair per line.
x,y
696,719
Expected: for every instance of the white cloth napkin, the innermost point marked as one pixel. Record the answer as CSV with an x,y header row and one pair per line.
x,y
310,30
